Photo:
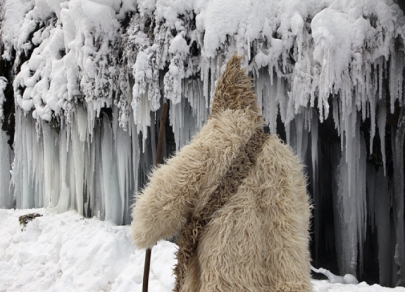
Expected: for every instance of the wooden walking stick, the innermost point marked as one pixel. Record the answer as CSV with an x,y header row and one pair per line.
x,y
159,158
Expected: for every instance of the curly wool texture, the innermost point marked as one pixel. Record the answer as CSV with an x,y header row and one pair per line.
x,y
258,240
191,233
234,89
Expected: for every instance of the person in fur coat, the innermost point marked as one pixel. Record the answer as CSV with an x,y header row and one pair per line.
x,y
236,197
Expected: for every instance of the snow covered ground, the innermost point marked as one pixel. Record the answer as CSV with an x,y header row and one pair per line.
x,y
66,252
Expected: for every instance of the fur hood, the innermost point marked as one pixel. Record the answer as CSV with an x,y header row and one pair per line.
x,y
234,90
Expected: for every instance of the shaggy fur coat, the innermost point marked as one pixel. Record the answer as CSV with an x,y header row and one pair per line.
x,y
258,240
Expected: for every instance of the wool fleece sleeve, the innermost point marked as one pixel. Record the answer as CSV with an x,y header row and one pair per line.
x,y
166,203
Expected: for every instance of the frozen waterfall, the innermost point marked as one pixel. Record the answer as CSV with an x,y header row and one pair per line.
x,y
82,81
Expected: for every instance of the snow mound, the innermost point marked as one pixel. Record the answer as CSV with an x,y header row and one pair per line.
x,y
66,252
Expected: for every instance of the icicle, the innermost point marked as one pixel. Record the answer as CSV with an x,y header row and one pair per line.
x,y
381,66
351,203
183,122
373,111
27,173
282,99
51,167
175,122
335,114
64,195
259,95
382,117
6,197
92,170
396,78
399,190
192,91
78,152
141,109
135,156
267,91
124,169
314,150
81,123
205,72
152,137
301,136
345,230
113,204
